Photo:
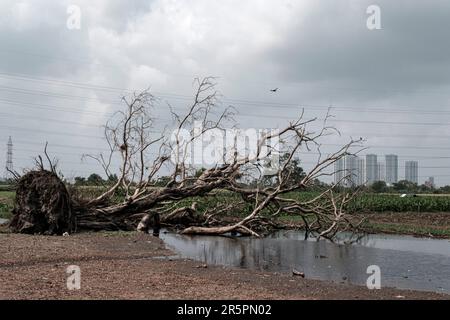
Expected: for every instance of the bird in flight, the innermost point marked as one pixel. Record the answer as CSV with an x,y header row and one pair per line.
x,y
274,90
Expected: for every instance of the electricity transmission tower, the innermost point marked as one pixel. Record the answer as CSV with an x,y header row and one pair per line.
x,y
9,160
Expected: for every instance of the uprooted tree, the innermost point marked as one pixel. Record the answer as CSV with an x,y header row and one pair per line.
x,y
45,205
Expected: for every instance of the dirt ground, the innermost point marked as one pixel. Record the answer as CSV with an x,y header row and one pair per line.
x,y
432,219
429,224
137,266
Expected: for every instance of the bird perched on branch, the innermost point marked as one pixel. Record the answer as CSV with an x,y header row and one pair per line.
x,y
123,147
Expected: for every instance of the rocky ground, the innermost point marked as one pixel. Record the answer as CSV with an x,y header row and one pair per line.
x,y
138,266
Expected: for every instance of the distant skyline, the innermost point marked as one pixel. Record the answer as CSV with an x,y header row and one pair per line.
x,y
365,170
389,86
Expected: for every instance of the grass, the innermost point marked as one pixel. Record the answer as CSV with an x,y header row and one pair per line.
x,y
6,203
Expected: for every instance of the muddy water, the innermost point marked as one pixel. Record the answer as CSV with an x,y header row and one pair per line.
x,y
405,262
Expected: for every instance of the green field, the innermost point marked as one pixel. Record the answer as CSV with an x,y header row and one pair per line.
x,y
363,203
372,202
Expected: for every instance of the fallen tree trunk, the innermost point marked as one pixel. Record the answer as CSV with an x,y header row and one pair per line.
x,y
43,205
220,230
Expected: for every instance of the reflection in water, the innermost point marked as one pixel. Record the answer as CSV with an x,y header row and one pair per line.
x,y
405,262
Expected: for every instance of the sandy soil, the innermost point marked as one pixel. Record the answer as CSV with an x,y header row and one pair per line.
x,y
137,266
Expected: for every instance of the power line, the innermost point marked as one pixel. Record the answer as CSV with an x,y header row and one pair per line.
x,y
64,96
260,83
55,108
325,144
66,146
41,106
52,152
54,95
80,135
351,121
378,109
249,115
83,124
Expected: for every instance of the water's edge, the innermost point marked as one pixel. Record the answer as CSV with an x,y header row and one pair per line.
x,y
405,262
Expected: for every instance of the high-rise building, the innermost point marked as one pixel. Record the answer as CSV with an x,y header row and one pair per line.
x,y
361,172
430,182
412,171
371,168
391,168
349,171
381,168
339,171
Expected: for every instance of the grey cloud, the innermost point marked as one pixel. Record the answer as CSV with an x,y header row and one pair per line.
x,y
333,45
317,52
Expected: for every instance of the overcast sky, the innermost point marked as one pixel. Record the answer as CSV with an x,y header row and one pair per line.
x,y
390,86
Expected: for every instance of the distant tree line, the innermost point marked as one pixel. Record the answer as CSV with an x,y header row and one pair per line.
x,y
94,180
296,173
404,186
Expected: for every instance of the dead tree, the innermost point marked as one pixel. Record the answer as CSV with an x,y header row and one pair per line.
x,y
129,136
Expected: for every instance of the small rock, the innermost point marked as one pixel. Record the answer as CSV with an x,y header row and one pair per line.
x,y
65,234
202,266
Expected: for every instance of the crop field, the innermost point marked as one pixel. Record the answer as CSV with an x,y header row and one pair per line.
x,y
366,203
